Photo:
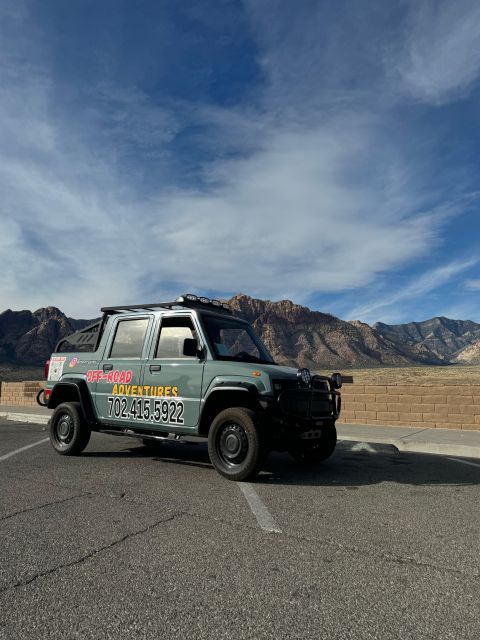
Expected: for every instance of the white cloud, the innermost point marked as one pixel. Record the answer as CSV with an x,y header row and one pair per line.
x,y
289,219
286,221
472,285
442,57
322,202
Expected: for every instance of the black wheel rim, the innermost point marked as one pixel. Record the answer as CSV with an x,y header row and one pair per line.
x,y
63,430
232,444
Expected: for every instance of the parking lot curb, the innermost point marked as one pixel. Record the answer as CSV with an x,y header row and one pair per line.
x,y
30,418
434,448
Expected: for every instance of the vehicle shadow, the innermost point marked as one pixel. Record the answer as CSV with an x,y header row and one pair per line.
x,y
347,467
180,453
351,466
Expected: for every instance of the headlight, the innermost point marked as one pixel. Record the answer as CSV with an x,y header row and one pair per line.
x,y
336,379
305,377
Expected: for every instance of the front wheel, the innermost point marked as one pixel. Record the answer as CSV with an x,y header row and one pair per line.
x,y
235,444
69,433
315,451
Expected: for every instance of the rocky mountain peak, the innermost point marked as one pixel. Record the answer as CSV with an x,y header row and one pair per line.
x,y
294,334
358,323
29,338
48,313
298,336
253,308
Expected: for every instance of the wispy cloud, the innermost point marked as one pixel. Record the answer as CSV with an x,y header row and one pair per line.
x,y
427,282
442,53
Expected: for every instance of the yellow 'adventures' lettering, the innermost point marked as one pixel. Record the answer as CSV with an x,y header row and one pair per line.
x,y
139,390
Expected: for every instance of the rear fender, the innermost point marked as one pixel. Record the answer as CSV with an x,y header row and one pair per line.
x,y
73,390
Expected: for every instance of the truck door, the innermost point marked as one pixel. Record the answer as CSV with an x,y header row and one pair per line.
x,y
118,376
172,379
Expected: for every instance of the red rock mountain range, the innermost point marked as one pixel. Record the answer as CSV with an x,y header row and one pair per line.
x,y
295,335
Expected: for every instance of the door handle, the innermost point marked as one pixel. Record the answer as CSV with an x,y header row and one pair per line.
x,y
108,367
155,368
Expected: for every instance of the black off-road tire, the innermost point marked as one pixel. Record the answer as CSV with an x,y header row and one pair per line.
x,y
69,432
310,452
235,444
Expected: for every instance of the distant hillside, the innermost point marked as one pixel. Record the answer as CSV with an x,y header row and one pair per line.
x,y
295,335
469,355
28,338
439,338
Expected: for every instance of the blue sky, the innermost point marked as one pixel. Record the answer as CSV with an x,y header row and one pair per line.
x,y
322,152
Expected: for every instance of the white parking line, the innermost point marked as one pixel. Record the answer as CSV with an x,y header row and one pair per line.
x,y
259,510
363,446
472,464
28,446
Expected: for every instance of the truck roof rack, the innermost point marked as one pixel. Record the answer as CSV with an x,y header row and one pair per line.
x,y
188,301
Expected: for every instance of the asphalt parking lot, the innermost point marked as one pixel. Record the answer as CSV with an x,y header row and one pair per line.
x,y
133,542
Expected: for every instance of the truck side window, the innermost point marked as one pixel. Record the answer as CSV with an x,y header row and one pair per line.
x,y
129,337
173,332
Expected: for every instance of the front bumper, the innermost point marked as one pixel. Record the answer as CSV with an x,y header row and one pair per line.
x,y
319,404
310,405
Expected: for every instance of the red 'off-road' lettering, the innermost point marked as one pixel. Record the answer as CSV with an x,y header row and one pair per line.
x,y
116,376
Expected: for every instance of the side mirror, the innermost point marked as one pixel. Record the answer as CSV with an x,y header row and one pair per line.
x,y
190,348
336,379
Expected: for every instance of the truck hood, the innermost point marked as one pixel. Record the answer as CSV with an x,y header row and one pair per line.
x,y
246,368
276,371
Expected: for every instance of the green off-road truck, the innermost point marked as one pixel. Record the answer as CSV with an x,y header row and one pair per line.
x,y
188,368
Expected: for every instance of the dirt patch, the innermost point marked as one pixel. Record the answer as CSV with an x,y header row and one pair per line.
x,y
455,374
13,373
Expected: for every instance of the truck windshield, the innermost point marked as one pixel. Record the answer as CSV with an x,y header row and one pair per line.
x,y
232,340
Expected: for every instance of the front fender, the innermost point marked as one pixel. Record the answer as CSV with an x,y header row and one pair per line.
x,y
223,383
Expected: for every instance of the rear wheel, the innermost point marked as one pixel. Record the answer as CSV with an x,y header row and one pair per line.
x,y
235,444
69,433
315,451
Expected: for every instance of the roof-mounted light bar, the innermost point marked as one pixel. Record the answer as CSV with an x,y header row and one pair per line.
x,y
187,300
190,297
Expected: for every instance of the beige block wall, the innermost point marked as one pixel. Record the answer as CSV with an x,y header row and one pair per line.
x,y
436,406
21,394
441,406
